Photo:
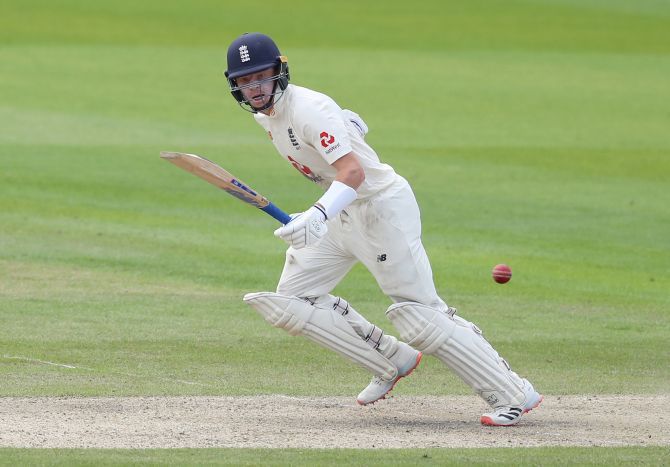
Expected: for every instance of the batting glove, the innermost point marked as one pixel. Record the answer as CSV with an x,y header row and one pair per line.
x,y
305,229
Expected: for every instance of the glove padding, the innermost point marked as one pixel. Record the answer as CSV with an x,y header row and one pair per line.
x,y
305,229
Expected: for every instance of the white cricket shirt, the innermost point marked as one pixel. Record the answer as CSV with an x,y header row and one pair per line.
x,y
310,131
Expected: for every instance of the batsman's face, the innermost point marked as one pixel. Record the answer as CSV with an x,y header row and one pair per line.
x,y
257,87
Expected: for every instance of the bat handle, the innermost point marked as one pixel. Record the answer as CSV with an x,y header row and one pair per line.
x,y
277,213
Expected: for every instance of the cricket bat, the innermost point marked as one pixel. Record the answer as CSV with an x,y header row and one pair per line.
x,y
217,176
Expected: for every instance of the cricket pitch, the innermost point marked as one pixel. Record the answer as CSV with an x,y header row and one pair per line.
x,y
276,421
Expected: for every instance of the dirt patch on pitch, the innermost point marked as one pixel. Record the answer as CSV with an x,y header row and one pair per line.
x,y
325,422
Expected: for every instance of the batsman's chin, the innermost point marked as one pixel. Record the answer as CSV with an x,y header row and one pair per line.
x,y
259,101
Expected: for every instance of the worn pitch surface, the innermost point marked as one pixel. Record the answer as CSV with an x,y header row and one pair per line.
x,y
277,421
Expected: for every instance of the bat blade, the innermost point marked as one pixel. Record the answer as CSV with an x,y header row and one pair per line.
x,y
221,178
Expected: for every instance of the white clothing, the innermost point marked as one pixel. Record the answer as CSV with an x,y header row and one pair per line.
x,y
381,229
311,132
382,232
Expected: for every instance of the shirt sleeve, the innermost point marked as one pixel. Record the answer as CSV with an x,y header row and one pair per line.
x,y
322,126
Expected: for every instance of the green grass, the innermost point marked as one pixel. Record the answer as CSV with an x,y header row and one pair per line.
x,y
354,457
533,132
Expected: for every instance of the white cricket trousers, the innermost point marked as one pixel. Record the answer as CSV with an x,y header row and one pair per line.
x,y
384,233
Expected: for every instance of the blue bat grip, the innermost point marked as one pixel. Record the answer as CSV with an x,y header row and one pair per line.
x,y
277,213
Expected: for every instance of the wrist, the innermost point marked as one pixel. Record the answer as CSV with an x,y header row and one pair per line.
x,y
319,207
336,198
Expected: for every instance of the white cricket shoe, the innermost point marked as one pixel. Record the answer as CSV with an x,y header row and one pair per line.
x,y
406,360
507,415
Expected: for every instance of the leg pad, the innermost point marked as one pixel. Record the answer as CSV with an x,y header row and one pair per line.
x,y
460,345
322,325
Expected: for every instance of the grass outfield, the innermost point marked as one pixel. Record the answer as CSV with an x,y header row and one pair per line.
x,y
354,457
534,133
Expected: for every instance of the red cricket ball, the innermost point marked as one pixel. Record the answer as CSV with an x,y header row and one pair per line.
x,y
501,273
